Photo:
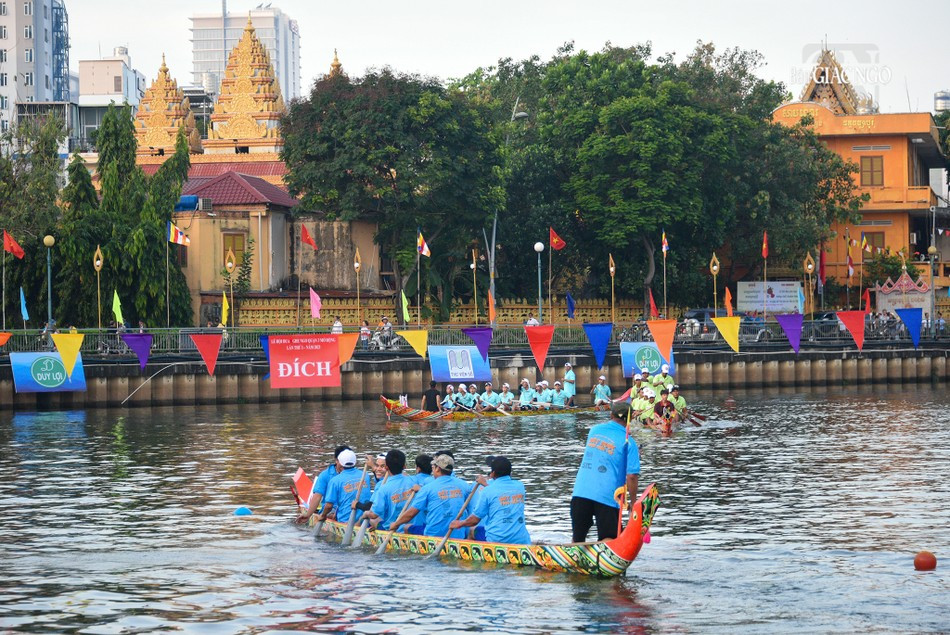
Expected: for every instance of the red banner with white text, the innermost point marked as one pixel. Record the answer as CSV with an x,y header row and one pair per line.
x,y
304,361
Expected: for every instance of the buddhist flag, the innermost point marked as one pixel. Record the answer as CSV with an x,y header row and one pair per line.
x,y
9,244
117,308
728,302
421,245
224,308
666,245
612,265
557,243
850,261
357,261
653,312
305,236
175,235
865,246
765,244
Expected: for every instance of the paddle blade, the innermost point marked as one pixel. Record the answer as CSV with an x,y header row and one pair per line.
x,y
384,544
348,534
360,535
318,529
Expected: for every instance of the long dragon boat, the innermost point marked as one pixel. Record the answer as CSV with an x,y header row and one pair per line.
x,y
605,558
395,409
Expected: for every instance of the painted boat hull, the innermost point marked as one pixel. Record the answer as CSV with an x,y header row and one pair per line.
x,y
395,409
608,558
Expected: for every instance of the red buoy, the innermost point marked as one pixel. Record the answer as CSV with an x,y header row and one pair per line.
x,y
925,561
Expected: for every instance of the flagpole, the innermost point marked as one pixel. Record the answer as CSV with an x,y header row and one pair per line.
x,y
168,306
613,298
666,311
550,299
765,290
99,298
4,290
418,290
299,271
359,307
474,287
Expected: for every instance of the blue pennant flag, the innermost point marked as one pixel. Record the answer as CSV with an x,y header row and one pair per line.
x,y
265,344
912,319
26,316
598,335
570,306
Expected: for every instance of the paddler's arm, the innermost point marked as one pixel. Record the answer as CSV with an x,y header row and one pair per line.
x,y
471,521
632,482
311,508
406,515
327,508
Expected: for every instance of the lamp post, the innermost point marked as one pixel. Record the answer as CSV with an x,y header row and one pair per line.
x,y
714,270
474,284
932,251
49,241
230,262
97,261
516,115
539,247
809,266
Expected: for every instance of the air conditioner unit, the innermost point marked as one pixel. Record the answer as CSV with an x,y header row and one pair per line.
x,y
913,238
204,204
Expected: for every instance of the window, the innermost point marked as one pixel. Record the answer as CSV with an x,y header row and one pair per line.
x,y
117,84
3,8
46,35
4,102
3,31
47,81
28,31
872,171
181,256
27,79
27,55
28,8
3,55
234,242
4,125
3,79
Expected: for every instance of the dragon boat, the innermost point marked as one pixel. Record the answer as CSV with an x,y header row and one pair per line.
x,y
395,409
605,558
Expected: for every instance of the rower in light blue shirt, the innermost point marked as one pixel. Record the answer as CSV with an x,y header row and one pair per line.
x,y
448,402
558,396
544,398
465,398
507,397
390,497
341,492
489,399
440,499
500,507
570,383
528,394
601,391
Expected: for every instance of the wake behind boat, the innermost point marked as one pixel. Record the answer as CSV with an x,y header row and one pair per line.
x,y
395,409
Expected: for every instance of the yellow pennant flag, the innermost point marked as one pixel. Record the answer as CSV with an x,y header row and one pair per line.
x,y
729,329
224,309
418,340
68,345
117,308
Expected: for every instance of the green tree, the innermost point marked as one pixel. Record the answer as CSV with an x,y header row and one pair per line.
x,y
879,267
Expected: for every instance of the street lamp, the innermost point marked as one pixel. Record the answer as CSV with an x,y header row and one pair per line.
x,y
539,247
932,251
49,241
714,270
809,266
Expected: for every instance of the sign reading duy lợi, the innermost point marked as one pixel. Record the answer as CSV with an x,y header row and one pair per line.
x,y
45,372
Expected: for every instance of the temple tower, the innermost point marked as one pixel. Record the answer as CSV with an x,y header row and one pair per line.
x,y
163,110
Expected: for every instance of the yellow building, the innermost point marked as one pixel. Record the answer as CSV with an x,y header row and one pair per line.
x,y
895,153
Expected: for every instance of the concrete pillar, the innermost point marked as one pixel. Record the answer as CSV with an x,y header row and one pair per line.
x,y
803,372
6,394
754,374
737,374
510,375
291,394
786,373
879,371
227,388
206,389
585,377
118,390
392,383
924,369
864,370
615,379
705,375
686,374
163,390
249,387
414,383
834,371
142,391
373,384
352,387
895,371
770,373
819,372
939,368
267,393
909,370
185,390
720,374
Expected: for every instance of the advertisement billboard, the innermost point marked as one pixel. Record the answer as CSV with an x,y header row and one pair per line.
x,y
304,361
45,372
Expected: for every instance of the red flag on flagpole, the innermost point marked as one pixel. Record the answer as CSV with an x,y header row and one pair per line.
x,y
867,301
765,244
728,302
557,243
821,263
12,246
305,237
653,312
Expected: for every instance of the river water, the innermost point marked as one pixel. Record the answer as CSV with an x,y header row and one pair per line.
x,y
784,512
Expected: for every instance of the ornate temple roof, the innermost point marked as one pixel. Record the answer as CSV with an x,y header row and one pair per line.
x,y
162,111
250,104
828,85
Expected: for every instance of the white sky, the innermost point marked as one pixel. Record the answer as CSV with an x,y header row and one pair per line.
x,y
904,42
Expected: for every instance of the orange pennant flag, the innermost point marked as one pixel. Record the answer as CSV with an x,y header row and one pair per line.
x,y
728,302
654,313
663,332
346,344
4,337
491,307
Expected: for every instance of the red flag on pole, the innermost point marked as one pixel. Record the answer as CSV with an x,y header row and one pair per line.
x,y
728,302
557,243
867,301
653,312
765,244
821,263
12,246
305,237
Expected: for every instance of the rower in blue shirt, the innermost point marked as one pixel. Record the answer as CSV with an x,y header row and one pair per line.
x,y
440,499
448,402
601,392
570,383
527,395
320,484
390,496
464,398
544,398
558,396
506,397
341,492
500,506
489,399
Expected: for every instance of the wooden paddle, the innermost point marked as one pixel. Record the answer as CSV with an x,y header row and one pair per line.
x,y
348,535
445,538
385,543
358,540
698,416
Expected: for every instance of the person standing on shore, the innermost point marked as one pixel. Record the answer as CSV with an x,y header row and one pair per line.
x,y
570,384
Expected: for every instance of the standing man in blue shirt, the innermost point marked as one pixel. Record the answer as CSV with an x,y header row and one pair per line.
x,y
570,383
320,485
611,459
440,499
500,506
341,492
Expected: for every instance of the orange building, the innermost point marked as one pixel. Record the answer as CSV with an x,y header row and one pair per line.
x,y
895,153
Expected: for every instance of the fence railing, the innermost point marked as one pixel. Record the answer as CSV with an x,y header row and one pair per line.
x,y
692,333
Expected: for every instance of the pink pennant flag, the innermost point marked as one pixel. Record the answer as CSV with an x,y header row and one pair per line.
x,y
315,304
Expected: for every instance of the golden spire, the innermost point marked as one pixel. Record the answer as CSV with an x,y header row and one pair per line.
x,y
163,110
829,86
335,66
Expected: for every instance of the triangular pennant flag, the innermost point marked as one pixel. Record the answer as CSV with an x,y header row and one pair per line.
x,y
792,323
654,313
491,307
346,344
867,301
117,308
4,337
141,345
729,329
265,344
854,322
224,308
599,337
481,335
418,340
209,345
539,339
728,302
912,319
68,345
315,304
405,307
663,332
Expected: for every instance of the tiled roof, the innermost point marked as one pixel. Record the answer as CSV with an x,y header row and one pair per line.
x,y
233,188
208,170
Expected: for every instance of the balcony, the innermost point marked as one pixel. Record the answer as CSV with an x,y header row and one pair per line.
x,y
916,197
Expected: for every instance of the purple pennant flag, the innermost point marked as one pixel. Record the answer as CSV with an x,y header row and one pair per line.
x,y
481,335
791,323
141,345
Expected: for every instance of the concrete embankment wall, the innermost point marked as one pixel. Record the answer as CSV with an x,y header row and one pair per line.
x,y
188,383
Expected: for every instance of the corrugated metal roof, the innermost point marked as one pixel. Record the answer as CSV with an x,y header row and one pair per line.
x,y
233,188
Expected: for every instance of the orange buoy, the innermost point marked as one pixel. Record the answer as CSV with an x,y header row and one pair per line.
x,y
925,561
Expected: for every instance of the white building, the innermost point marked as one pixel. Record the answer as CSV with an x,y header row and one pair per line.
x,y
34,54
107,80
213,36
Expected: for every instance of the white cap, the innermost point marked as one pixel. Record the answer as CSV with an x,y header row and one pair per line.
x,y
557,383
525,381
380,457
449,387
461,386
637,376
347,458
544,382
649,393
568,364
602,377
505,385
665,368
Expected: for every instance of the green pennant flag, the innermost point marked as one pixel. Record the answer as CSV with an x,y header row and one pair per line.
x,y
405,307
117,308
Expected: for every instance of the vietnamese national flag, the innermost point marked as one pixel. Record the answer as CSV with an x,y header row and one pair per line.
x,y
765,244
557,243
12,246
305,236
653,311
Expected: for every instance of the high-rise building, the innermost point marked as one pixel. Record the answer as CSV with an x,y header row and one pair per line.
x,y
214,35
104,81
34,54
